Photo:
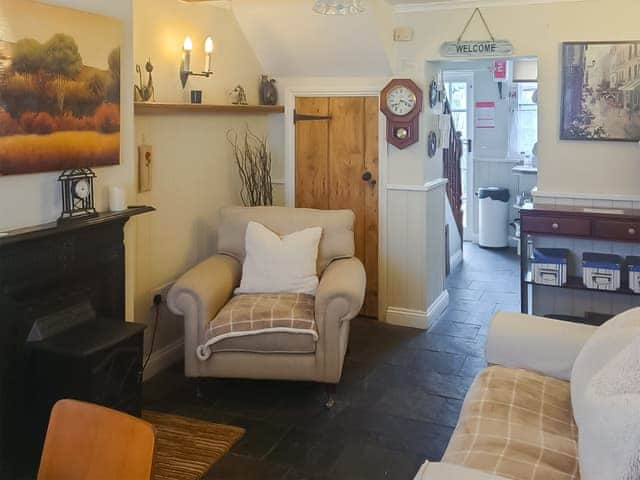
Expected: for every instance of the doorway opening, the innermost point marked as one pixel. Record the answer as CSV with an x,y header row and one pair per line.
x,y
491,108
458,88
494,116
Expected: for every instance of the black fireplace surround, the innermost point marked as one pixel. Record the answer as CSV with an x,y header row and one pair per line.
x,y
45,270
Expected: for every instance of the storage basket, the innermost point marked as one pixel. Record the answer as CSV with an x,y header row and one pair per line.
x,y
549,266
601,271
633,266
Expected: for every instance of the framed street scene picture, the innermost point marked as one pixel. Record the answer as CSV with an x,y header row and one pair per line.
x,y
601,91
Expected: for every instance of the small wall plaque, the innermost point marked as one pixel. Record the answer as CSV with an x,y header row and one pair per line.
x,y
477,48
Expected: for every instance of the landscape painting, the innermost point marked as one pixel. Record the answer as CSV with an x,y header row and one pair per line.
x,y
59,88
601,91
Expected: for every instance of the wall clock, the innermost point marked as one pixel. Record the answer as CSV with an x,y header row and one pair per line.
x,y
401,102
77,193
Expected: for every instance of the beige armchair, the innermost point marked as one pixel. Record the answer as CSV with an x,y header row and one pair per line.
x,y
202,292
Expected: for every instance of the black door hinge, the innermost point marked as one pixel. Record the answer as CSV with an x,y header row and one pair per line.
x,y
303,117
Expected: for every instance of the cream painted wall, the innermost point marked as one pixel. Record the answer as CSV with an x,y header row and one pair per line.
x,y
194,173
160,27
38,194
292,40
591,168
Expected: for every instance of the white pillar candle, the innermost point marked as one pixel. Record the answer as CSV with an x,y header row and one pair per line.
x,y
186,62
117,199
208,51
187,46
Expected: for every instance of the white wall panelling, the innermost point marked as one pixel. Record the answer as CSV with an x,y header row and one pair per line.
x,y
435,241
406,266
405,317
415,251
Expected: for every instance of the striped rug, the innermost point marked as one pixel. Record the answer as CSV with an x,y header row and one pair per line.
x,y
186,448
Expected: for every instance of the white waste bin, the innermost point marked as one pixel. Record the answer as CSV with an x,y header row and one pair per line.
x,y
493,218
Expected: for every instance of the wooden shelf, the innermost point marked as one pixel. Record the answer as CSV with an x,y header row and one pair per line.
x,y
575,283
159,108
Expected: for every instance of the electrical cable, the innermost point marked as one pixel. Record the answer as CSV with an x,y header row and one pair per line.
x,y
157,301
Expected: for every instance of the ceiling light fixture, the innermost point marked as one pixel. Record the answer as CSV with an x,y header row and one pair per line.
x,y
338,7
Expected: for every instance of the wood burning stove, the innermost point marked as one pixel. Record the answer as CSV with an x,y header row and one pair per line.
x,y
62,328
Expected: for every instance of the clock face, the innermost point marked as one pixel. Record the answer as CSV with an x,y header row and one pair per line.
x,y
81,189
401,101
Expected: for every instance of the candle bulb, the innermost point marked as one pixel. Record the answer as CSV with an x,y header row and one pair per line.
x,y
186,55
208,50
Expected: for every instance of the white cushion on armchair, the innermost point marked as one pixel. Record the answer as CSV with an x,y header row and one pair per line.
x,y
275,264
605,394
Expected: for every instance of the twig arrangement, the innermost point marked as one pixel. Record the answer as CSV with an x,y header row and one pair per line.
x,y
253,159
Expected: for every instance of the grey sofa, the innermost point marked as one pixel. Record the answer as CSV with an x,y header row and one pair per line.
x,y
204,290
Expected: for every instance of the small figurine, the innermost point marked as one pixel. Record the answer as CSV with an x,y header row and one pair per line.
x,y
238,96
144,93
268,91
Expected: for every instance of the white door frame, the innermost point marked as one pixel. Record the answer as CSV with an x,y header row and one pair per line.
x,y
367,89
467,76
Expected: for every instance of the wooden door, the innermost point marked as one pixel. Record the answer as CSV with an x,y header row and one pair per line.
x,y
337,168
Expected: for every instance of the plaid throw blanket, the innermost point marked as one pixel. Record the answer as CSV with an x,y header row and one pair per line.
x,y
519,425
253,314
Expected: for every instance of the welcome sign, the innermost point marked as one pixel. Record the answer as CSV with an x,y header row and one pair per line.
x,y
477,48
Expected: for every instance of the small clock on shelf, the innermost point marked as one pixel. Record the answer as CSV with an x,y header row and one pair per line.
x,y
77,194
401,102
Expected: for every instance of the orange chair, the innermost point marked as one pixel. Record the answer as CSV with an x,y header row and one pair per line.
x,y
90,442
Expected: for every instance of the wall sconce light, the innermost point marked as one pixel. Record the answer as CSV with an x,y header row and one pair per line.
x,y
185,67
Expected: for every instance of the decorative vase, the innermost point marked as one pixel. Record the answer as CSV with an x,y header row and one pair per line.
x,y
268,91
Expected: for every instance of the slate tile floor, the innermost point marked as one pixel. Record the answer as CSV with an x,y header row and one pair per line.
x,y
397,404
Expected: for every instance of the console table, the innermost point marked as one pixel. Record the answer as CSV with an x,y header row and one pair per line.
x,y
616,225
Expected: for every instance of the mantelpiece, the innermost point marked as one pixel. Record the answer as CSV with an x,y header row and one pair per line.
x,y
163,108
54,228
